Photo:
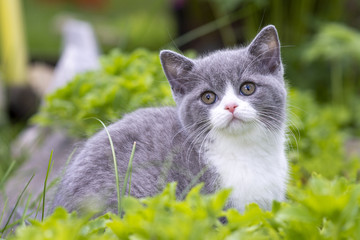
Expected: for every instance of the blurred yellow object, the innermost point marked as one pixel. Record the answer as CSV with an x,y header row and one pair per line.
x,y
12,40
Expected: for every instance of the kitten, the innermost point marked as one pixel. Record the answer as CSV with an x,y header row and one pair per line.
x,y
228,130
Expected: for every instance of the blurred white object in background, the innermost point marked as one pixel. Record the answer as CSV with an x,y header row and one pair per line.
x,y
80,52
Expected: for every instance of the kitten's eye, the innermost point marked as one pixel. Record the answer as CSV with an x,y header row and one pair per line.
x,y
208,97
247,89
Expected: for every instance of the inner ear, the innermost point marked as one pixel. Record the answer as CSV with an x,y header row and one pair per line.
x,y
176,67
266,48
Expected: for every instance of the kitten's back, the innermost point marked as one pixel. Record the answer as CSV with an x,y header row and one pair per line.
x,y
91,174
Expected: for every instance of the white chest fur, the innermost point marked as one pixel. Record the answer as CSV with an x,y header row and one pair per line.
x,y
255,170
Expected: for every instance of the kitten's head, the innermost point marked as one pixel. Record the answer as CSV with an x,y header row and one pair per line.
x,y
230,91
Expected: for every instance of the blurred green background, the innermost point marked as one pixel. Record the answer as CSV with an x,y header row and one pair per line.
x,y
320,48
320,39
123,24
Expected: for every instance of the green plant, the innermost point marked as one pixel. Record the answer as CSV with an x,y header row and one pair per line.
x,y
338,48
322,209
125,82
8,133
317,139
13,210
128,171
160,217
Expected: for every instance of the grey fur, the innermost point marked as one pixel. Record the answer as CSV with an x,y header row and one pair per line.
x,y
169,139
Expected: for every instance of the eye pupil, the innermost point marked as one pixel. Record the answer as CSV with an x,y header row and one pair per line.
x,y
247,89
208,97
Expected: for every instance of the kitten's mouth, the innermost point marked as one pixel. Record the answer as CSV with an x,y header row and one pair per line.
x,y
238,117
236,124
235,121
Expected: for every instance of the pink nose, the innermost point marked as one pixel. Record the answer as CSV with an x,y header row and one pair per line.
x,y
231,107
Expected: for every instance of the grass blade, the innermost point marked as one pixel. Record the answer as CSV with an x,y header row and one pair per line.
x,y
128,173
23,217
3,211
130,164
115,166
8,171
57,180
212,26
192,183
130,177
38,207
67,163
50,165
17,222
16,204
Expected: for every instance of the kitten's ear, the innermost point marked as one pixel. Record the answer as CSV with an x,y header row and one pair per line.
x,y
266,48
175,67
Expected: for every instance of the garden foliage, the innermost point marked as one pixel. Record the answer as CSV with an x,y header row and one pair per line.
x,y
324,209
317,138
125,82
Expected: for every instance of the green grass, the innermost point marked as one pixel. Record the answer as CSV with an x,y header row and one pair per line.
x,y
321,209
127,177
42,198
50,165
128,172
8,133
5,176
7,224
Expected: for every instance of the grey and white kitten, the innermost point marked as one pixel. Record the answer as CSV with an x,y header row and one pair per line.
x,y
228,130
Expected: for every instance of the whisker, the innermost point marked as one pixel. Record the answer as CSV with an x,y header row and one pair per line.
x,y
195,140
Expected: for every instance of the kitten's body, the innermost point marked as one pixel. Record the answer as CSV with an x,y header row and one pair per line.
x,y
235,138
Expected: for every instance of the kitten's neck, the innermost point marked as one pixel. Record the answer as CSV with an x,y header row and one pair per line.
x,y
248,146
254,167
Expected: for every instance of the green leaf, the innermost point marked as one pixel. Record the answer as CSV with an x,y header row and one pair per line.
x,y
125,82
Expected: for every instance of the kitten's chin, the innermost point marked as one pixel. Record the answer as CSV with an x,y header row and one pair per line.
x,y
237,126
234,124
